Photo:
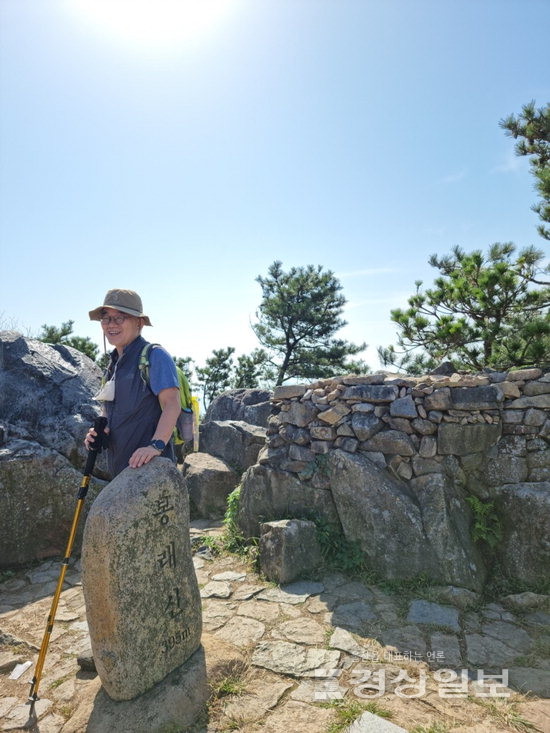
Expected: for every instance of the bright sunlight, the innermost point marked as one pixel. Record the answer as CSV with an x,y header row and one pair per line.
x,y
154,23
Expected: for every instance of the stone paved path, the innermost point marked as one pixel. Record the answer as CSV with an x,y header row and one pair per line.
x,y
312,648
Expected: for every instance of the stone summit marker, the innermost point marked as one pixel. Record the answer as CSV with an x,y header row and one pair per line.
x,y
142,598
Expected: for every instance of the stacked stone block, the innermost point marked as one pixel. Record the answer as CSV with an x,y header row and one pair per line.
x,y
484,429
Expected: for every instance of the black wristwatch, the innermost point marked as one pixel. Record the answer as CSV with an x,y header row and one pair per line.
x,y
159,445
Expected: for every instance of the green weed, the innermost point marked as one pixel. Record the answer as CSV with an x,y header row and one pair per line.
x,y
6,575
486,527
214,544
170,728
340,554
408,589
66,711
230,685
231,725
59,682
349,710
233,538
414,586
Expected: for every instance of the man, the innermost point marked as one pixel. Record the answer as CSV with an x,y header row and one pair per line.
x,y
140,416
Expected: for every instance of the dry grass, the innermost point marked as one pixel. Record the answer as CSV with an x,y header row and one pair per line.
x,y
505,713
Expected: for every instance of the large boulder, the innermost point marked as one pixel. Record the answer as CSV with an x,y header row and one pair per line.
x,y
405,530
524,511
234,441
38,490
209,482
447,520
46,390
249,405
267,495
402,534
46,407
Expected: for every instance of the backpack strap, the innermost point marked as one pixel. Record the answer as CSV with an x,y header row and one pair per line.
x,y
144,363
189,404
144,369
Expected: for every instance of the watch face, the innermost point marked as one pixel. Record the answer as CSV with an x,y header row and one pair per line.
x,y
158,444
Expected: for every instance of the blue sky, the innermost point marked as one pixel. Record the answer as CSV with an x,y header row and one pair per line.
x,y
180,147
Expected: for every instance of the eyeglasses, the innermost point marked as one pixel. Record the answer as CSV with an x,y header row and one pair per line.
x,y
119,320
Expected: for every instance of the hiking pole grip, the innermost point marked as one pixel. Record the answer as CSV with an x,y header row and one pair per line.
x,y
100,423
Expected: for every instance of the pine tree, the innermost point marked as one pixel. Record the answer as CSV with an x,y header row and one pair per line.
x,y
54,335
251,369
299,314
483,311
532,126
215,376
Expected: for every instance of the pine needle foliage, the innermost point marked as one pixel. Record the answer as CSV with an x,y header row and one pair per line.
x,y
484,310
532,130
298,317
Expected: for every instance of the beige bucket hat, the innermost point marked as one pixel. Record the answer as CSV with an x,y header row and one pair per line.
x,y
125,301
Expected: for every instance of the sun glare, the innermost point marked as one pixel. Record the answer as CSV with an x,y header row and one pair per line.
x,y
155,23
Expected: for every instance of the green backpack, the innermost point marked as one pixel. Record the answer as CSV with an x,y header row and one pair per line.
x,y
184,426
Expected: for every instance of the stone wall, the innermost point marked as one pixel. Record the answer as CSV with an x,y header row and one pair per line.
x,y
395,461
488,430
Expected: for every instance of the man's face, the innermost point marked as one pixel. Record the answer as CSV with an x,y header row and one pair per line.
x,y
119,328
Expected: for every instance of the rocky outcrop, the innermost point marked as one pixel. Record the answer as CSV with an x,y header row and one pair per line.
x,y
525,548
232,434
395,458
248,405
46,393
38,489
236,442
46,408
209,482
402,534
268,494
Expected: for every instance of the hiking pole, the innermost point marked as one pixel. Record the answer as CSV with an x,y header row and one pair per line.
x,y
99,426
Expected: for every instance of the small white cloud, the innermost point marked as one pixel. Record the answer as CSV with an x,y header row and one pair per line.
x,y
434,231
454,177
511,164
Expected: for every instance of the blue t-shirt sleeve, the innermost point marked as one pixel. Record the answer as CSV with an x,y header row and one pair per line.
x,y
162,370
